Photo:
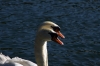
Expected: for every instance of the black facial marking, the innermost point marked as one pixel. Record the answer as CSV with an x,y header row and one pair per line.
x,y
56,28
53,35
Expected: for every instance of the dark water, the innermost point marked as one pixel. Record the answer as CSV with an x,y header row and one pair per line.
x,y
79,21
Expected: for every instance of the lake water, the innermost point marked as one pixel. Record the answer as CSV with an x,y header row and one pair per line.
x,y
79,21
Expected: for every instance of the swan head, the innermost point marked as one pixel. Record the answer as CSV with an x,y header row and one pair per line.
x,y
50,31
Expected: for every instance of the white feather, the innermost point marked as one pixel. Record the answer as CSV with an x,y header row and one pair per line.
x,y
16,61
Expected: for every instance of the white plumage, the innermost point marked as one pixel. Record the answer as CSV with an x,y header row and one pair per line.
x,y
16,61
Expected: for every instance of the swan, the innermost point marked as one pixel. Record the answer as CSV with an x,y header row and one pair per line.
x,y
48,31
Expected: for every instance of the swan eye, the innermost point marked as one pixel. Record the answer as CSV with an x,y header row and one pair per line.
x,y
56,28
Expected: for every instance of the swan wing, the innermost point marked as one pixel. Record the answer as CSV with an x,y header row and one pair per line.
x,y
16,61
23,61
3,58
11,64
6,61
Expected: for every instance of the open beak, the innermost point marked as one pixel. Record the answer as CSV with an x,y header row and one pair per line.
x,y
56,39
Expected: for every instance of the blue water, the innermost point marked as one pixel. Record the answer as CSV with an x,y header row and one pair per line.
x,y
79,21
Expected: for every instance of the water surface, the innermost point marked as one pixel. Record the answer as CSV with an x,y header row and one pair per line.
x,y
79,21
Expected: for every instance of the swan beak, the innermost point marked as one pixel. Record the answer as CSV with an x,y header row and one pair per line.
x,y
55,39
60,34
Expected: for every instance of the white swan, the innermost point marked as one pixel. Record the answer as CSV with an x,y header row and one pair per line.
x,y
47,31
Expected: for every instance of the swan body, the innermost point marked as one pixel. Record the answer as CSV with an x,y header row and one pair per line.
x,y
16,61
48,31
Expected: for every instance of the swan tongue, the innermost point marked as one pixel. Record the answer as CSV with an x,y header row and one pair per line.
x,y
55,39
60,34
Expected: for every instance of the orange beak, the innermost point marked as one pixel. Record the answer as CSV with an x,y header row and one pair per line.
x,y
60,34
56,39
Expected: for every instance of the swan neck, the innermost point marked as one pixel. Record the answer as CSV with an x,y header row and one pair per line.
x,y
41,54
